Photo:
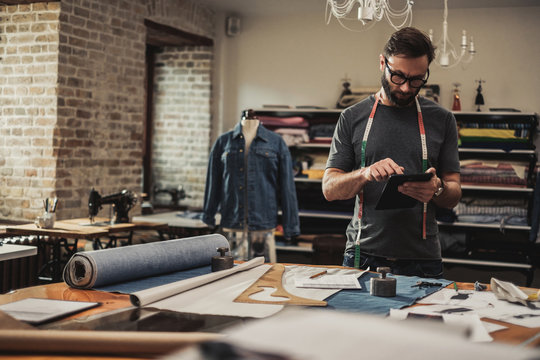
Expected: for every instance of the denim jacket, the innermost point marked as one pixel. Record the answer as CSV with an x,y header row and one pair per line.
x,y
269,183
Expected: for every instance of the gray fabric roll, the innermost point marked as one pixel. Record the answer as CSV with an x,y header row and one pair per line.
x,y
90,269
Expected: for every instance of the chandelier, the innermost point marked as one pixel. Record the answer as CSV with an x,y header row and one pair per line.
x,y
369,13
446,55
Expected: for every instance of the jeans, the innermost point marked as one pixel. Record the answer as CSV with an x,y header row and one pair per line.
x,y
420,268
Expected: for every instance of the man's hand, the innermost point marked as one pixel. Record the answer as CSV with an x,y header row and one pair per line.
x,y
382,170
340,185
421,190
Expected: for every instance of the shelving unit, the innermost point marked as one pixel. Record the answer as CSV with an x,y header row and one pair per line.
x,y
318,217
493,244
486,244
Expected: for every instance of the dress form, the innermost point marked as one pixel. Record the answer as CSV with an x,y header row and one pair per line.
x,y
251,243
249,130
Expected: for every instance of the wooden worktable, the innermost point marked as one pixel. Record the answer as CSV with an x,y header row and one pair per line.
x,y
146,345
111,302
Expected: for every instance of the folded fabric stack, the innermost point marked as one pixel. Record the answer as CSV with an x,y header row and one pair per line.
x,y
512,211
494,173
495,136
272,122
313,166
292,136
321,133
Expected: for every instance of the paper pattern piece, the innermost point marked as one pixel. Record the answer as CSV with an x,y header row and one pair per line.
x,y
271,281
37,311
452,316
507,291
486,305
330,282
217,297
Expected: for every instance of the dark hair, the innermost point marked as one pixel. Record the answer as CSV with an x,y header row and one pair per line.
x,y
409,42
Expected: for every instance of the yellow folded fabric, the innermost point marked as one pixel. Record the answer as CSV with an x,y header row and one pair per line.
x,y
313,174
495,133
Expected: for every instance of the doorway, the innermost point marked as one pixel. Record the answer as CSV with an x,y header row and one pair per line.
x,y
177,122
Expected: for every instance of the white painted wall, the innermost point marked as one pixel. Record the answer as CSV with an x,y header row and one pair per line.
x,y
299,60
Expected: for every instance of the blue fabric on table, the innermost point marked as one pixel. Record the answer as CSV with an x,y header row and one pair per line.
x,y
129,287
362,301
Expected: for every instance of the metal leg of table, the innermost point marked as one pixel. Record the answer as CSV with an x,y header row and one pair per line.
x,y
111,243
54,265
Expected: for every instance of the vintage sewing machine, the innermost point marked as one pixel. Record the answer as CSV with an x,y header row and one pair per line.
x,y
121,203
176,194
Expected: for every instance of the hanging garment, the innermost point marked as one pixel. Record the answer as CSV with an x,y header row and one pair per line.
x,y
269,185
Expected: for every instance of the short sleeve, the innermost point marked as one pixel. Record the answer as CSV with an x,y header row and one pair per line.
x,y
341,154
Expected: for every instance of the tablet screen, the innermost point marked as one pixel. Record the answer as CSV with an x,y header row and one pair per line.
x,y
391,198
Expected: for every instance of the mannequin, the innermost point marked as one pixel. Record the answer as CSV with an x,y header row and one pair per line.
x,y
245,243
249,128
249,180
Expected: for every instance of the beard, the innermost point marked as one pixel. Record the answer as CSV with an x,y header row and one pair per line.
x,y
397,97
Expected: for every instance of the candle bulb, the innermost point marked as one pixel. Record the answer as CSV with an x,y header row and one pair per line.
x,y
464,39
472,50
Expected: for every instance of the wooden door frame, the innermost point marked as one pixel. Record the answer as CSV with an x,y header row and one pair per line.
x,y
158,36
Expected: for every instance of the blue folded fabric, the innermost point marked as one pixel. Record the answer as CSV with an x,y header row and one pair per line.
x,y
362,301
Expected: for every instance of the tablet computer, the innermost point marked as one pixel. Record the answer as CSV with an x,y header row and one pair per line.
x,y
391,198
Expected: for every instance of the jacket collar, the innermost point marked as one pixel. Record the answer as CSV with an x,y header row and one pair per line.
x,y
262,132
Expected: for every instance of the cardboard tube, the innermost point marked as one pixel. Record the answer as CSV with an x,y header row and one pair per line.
x,y
135,343
148,296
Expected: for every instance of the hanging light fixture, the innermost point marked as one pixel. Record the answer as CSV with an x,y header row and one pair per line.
x,y
446,55
368,14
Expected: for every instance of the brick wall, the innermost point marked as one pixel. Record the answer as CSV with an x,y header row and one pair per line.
x,y
73,108
100,101
28,69
181,132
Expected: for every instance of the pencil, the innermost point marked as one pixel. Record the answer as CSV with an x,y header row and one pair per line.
x,y
318,274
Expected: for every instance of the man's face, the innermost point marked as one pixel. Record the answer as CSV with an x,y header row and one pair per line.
x,y
397,69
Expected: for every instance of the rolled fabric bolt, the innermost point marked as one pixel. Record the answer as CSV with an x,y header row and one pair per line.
x,y
383,286
89,269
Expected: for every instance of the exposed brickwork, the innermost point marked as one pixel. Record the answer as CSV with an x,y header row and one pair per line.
x,y
182,14
28,69
73,99
181,132
98,139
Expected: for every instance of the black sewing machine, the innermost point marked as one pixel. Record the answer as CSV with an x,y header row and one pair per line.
x,y
176,194
121,203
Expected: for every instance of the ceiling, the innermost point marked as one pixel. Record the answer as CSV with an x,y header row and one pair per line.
x,y
283,7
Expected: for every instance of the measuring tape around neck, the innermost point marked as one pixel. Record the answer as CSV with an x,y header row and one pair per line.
x,y
363,165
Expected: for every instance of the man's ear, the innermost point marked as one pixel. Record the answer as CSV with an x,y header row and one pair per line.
x,y
381,62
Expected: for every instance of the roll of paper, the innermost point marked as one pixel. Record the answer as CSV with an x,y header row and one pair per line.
x,y
107,343
91,269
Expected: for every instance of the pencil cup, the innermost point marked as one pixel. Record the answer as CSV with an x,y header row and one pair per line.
x,y
46,221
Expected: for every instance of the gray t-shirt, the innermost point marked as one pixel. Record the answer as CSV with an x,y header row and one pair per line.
x,y
395,134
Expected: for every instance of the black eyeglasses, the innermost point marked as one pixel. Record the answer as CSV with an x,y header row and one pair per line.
x,y
400,79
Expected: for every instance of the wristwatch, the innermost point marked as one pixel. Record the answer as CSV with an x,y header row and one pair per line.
x,y
439,190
